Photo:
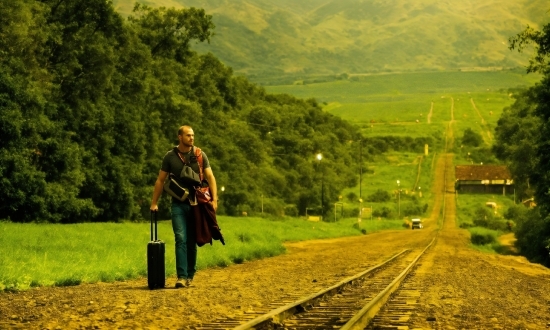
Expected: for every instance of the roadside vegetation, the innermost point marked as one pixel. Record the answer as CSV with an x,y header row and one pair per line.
x,y
487,217
63,255
522,143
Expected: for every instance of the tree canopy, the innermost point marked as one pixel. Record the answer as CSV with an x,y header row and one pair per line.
x,y
522,142
91,102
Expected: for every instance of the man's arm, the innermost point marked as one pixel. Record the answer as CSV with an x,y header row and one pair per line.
x,y
157,190
212,184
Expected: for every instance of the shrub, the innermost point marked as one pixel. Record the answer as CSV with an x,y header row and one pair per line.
x,y
384,212
491,224
514,212
352,197
472,138
351,212
379,196
483,213
291,210
533,236
483,236
411,209
274,207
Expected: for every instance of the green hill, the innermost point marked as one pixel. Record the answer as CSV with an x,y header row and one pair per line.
x,y
261,38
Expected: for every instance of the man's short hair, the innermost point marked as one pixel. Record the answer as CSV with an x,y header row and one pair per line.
x,y
180,131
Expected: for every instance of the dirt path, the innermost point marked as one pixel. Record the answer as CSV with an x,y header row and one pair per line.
x,y
466,289
487,131
431,113
452,109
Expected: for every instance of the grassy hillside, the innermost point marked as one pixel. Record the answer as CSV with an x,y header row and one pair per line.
x,y
268,38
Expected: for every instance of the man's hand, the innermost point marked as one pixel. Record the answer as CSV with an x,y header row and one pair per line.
x,y
157,190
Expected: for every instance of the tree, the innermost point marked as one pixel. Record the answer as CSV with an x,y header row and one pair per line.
x,y
168,32
90,103
516,135
541,99
533,245
541,42
471,138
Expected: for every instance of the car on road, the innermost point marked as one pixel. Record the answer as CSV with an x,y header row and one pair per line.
x,y
416,223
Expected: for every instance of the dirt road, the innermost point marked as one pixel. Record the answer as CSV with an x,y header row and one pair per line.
x,y
461,288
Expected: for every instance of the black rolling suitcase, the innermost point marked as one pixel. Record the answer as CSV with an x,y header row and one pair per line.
x,y
155,258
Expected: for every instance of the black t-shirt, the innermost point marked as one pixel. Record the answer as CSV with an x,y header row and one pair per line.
x,y
171,163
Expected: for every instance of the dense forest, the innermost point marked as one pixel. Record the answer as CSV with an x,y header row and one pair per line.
x,y
90,103
522,143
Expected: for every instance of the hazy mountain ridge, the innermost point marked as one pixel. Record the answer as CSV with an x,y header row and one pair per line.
x,y
267,37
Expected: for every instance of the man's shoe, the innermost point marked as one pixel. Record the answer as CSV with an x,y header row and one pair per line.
x,y
180,283
189,282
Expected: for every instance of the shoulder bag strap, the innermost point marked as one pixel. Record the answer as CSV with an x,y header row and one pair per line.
x,y
179,155
198,154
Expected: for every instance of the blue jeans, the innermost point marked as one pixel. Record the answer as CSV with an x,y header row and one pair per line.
x,y
186,247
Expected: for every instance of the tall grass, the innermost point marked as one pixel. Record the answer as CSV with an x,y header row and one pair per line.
x,y
58,255
468,203
486,240
483,238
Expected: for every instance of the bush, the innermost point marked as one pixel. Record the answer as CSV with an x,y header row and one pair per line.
x,y
291,210
514,212
483,213
411,209
533,236
483,236
384,212
379,196
352,197
351,212
491,224
484,217
472,138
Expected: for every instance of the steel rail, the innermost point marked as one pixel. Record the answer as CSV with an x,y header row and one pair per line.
x,y
367,313
277,316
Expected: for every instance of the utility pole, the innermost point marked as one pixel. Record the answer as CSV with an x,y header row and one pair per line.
x,y
398,200
322,194
360,168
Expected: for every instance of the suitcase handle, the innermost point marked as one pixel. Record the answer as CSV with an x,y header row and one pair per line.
x,y
154,219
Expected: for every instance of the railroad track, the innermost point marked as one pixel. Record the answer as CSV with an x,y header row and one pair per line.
x,y
351,304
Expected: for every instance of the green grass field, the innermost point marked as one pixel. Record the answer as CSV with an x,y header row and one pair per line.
x,y
417,104
59,255
393,87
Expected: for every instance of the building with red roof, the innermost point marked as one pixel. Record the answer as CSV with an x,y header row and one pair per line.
x,y
483,179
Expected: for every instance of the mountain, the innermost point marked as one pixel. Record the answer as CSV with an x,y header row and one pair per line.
x,y
268,38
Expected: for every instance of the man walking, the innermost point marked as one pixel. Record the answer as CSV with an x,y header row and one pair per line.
x,y
182,216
